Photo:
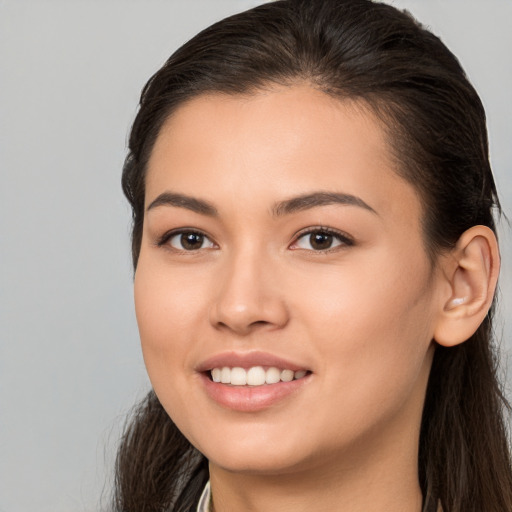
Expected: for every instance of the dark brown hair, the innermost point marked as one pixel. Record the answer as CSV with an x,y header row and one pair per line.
x,y
371,53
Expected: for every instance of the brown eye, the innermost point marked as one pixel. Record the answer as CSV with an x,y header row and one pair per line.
x,y
321,240
190,241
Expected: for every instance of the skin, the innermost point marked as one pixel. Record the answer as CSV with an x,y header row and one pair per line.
x,y
360,316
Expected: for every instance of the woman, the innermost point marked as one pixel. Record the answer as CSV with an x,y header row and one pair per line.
x,y
316,263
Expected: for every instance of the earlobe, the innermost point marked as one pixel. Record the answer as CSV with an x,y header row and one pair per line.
x,y
472,272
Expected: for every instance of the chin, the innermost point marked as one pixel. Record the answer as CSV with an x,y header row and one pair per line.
x,y
256,464
256,454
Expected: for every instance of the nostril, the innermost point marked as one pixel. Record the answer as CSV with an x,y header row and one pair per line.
x,y
242,327
259,323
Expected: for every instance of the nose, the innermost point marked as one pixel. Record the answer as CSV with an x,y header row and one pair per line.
x,y
248,297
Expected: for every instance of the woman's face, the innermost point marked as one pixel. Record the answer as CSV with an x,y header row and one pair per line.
x,y
278,239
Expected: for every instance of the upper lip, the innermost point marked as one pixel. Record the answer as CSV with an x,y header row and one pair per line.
x,y
247,360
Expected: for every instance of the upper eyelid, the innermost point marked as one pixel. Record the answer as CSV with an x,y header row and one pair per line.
x,y
163,239
345,237
323,229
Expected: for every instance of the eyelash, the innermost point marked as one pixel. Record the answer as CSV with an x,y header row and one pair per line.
x,y
166,237
344,239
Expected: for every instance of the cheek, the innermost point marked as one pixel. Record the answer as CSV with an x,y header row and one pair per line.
x,y
371,325
168,308
167,299
167,312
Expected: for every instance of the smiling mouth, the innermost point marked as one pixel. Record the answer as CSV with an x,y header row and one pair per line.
x,y
254,376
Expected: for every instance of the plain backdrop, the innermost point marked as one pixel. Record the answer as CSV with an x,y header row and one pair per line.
x,y
70,74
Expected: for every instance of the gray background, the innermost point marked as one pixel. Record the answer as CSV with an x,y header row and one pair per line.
x,y
70,74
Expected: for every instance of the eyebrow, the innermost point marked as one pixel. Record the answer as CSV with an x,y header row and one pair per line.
x,y
307,201
183,201
295,204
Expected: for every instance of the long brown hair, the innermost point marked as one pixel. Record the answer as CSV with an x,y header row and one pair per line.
x,y
435,121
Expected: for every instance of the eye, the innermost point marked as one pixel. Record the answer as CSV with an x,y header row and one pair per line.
x,y
321,239
187,241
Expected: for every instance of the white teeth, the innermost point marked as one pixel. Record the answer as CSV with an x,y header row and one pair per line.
x,y
216,373
254,376
238,376
225,375
287,375
273,376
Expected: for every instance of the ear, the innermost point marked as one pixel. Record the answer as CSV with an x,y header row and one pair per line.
x,y
471,273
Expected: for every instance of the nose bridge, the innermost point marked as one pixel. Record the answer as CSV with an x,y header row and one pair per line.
x,y
248,294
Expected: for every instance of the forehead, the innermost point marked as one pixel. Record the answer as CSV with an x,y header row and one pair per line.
x,y
279,142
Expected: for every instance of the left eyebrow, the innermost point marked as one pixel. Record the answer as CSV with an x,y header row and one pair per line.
x,y
307,201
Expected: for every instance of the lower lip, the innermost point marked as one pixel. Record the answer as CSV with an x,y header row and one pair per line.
x,y
251,398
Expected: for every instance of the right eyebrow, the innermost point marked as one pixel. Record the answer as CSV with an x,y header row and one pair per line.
x,y
183,201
